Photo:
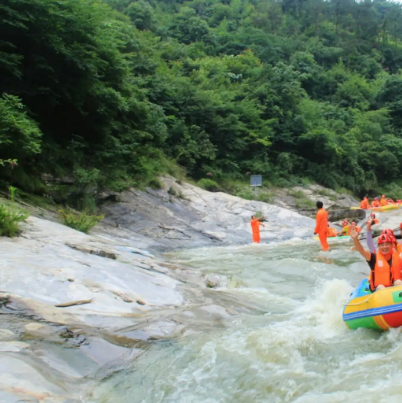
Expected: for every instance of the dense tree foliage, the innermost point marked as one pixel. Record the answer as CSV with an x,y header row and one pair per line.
x,y
108,91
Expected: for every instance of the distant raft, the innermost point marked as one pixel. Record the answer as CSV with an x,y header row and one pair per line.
x,y
380,209
386,208
381,309
334,238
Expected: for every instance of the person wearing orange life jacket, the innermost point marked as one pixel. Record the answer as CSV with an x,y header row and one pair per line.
x,y
383,201
354,225
331,232
364,204
255,227
385,265
321,226
345,227
388,232
397,246
374,219
375,202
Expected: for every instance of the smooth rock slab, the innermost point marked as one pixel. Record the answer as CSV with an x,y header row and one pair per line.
x,y
12,346
6,335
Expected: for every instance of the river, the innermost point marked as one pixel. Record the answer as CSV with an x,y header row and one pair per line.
x,y
272,332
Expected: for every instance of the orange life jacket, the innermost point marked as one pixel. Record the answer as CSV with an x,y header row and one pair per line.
x,y
375,203
383,273
364,204
331,232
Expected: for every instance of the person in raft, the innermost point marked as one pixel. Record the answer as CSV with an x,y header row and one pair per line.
x,y
345,227
375,202
354,225
383,201
385,265
331,232
364,204
255,227
321,226
374,219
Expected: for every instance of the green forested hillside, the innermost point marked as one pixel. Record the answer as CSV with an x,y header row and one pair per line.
x,y
111,92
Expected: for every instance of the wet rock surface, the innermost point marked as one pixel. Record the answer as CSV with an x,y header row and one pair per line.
x,y
65,299
156,219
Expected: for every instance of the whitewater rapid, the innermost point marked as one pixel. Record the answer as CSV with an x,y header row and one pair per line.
x,y
272,331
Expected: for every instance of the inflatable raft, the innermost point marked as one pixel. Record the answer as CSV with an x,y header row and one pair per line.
x,y
334,238
374,310
382,208
386,208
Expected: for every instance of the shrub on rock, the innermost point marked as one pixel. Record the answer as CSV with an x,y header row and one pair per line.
x,y
80,221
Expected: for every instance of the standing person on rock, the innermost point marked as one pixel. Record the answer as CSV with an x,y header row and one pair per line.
x,y
322,225
255,227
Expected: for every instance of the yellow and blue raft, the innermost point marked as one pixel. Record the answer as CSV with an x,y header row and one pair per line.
x,y
381,309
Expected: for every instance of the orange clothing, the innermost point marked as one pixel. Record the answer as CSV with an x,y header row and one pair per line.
x,y
383,273
364,204
321,227
323,239
255,227
375,203
331,232
321,221
383,202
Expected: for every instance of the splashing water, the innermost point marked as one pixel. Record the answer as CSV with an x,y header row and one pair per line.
x,y
271,332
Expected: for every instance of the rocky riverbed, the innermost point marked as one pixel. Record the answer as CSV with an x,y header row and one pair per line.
x,y
194,217
76,308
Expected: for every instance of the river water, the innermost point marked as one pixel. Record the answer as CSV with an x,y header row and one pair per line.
x,y
272,332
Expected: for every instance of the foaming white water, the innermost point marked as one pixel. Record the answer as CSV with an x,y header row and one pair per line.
x,y
324,308
289,344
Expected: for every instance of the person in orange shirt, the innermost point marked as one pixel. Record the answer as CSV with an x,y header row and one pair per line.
x,y
364,204
331,232
255,227
358,229
374,219
375,202
322,225
383,201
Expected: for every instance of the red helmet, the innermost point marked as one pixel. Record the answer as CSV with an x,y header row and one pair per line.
x,y
393,239
383,238
387,231
353,223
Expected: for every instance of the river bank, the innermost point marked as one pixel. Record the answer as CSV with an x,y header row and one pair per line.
x,y
78,308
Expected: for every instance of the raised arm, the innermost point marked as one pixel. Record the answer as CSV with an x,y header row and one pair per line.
x,y
369,237
365,253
